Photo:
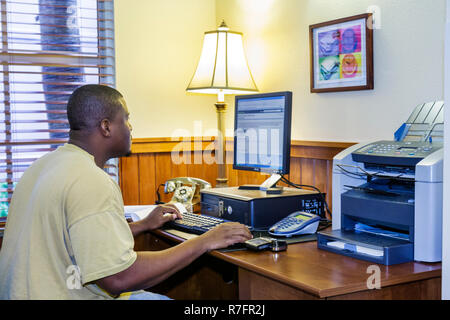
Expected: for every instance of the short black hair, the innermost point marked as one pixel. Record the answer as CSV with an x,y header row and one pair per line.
x,y
88,105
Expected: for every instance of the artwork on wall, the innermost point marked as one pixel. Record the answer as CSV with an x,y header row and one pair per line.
x,y
342,54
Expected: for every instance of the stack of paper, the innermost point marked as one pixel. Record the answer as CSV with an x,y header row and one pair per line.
x,y
137,213
355,248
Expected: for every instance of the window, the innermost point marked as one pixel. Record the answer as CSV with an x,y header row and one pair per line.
x,y
48,48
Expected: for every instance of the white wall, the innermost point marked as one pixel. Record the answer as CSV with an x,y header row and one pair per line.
x,y
408,62
158,44
446,205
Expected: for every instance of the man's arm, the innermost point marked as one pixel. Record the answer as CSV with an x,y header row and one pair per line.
x,y
152,267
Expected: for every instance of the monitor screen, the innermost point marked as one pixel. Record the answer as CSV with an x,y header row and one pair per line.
x,y
262,132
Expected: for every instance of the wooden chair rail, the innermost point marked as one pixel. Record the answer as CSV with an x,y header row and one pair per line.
x,y
155,160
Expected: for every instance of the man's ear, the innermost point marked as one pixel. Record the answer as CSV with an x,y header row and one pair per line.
x,y
105,127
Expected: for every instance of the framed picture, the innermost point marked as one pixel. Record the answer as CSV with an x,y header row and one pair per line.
x,y
342,54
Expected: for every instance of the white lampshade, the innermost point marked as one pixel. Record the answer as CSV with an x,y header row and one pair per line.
x,y
222,68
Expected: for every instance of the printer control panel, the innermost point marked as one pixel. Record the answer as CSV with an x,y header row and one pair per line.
x,y
395,152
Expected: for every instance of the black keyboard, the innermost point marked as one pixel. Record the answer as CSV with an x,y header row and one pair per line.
x,y
197,224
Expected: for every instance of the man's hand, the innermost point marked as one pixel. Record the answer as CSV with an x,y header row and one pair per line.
x,y
226,234
155,219
160,215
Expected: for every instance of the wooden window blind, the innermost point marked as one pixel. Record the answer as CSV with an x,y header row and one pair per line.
x,y
48,49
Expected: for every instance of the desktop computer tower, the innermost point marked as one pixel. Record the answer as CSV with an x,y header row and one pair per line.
x,y
256,208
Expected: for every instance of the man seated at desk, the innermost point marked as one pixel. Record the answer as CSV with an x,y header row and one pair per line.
x,y
66,235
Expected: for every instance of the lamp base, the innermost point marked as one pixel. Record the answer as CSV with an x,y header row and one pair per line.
x,y
222,180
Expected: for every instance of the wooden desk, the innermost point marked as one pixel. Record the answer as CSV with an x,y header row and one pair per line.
x,y
301,272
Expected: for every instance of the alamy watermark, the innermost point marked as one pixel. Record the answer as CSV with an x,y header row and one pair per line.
x,y
254,145
73,17
374,280
375,20
73,281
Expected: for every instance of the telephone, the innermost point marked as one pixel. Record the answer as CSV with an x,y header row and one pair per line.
x,y
186,190
296,223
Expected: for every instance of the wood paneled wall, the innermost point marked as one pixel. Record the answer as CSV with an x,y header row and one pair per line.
x,y
151,164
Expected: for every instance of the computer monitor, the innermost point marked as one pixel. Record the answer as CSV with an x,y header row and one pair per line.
x,y
262,135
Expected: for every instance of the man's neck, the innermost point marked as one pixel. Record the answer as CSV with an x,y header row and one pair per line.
x,y
92,148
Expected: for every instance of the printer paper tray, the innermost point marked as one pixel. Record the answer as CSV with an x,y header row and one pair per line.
x,y
366,246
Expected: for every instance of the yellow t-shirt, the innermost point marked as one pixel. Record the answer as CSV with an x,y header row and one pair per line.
x,y
65,229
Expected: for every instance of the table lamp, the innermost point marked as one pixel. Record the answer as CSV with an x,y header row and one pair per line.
x,y
222,69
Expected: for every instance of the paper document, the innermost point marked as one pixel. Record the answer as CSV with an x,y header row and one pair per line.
x,y
137,213
355,248
380,232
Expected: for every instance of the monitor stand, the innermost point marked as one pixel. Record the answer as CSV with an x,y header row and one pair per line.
x,y
268,185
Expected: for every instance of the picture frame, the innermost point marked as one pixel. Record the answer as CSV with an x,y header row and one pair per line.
x,y
341,53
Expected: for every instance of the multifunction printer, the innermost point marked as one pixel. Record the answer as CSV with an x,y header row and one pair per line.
x,y
387,195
